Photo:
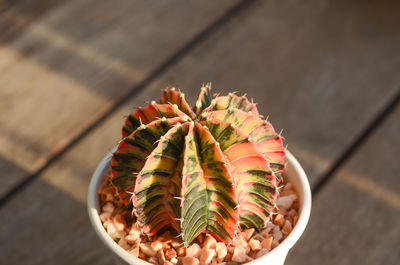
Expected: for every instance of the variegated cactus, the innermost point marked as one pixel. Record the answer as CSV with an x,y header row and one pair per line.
x,y
210,169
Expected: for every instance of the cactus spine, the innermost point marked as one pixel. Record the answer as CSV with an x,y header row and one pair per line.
x,y
208,169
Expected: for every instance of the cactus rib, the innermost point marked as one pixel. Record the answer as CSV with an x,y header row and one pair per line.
x,y
210,169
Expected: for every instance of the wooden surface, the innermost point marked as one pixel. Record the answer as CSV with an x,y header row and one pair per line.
x,y
355,219
307,70
66,69
323,70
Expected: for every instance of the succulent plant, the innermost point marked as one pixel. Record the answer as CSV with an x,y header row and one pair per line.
x,y
210,169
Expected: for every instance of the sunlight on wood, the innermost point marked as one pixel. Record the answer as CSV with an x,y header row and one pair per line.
x,y
23,146
310,158
87,52
357,181
370,187
68,182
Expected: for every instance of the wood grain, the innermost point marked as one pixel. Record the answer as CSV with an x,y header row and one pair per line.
x,y
355,218
31,10
321,70
70,64
47,223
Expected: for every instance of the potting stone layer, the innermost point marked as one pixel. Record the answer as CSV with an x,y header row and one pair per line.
x,y
167,249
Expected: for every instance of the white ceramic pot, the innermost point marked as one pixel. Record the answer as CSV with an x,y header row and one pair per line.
x,y
293,173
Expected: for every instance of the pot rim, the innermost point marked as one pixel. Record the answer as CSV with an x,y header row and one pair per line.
x,y
282,248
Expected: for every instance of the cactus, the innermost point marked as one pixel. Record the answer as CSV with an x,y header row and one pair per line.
x,y
211,169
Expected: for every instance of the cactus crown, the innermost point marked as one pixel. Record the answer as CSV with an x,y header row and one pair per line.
x,y
208,169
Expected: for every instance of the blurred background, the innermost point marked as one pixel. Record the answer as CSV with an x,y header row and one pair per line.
x,y
327,72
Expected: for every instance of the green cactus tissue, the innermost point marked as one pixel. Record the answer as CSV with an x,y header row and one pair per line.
x,y
213,168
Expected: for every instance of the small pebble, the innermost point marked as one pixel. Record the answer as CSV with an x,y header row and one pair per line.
x,y
105,216
132,239
142,255
135,231
221,251
239,255
190,261
262,252
277,234
282,211
165,246
108,197
285,201
193,251
279,219
254,244
210,242
119,222
266,243
270,226
161,255
156,245
134,251
239,241
274,244
146,249
181,252
231,249
287,228
112,231
292,213
122,243
175,243
108,207
248,233
153,260
295,219
259,237
170,254
206,256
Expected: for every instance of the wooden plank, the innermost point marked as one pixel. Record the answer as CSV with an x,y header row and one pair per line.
x,y
235,58
68,66
322,70
47,223
355,218
31,10
11,172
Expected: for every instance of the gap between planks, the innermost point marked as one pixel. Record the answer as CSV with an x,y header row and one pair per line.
x,y
357,143
172,60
